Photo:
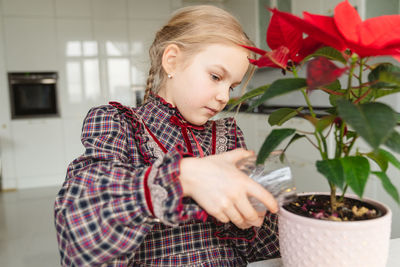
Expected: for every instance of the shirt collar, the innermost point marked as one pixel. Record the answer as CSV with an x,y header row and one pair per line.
x,y
157,111
159,102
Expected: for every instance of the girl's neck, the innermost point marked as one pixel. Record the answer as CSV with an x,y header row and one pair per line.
x,y
165,97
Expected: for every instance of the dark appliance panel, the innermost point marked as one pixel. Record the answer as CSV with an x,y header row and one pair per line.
x,y
33,94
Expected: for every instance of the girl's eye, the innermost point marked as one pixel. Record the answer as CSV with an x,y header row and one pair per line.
x,y
215,77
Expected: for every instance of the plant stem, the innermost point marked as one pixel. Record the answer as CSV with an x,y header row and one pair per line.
x,y
351,145
352,64
337,152
311,142
308,103
341,139
333,197
319,143
330,91
360,77
344,192
325,147
294,71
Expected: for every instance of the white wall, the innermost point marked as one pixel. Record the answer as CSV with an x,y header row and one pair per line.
x,y
98,47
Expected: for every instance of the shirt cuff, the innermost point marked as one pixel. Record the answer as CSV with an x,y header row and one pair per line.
x,y
164,191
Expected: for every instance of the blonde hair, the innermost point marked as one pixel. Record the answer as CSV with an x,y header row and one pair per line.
x,y
191,28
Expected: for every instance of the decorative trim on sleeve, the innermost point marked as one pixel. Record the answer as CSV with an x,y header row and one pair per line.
x,y
137,127
221,143
158,193
147,191
213,138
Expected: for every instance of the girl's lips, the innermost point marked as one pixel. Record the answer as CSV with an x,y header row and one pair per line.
x,y
212,111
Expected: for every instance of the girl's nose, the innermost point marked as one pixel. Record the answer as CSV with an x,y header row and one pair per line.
x,y
223,95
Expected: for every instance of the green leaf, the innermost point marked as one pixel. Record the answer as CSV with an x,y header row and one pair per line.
x,y
324,122
372,121
332,169
384,92
335,86
385,74
280,87
380,159
350,135
389,77
282,115
334,98
393,141
272,141
328,52
356,170
390,158
253,93
389,187
331,110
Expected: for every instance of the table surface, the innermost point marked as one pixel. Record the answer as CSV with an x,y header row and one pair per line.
x,y
393,260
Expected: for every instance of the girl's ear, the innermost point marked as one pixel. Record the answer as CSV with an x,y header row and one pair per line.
x,y
170,58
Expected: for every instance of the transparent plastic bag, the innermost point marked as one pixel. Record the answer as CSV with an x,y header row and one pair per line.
x,y
274,175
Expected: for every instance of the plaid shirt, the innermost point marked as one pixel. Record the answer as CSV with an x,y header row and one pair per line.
x,y
122,203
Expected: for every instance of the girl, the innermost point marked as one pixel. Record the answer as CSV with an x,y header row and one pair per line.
x,y
157,184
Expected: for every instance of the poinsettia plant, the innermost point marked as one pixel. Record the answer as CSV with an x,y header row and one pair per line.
x,y
333,47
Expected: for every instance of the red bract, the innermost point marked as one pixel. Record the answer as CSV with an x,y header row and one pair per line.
x,y
286,42
373,37
308,46
316,28
281,33
321,71
277,58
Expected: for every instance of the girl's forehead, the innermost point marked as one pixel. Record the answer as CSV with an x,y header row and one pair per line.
x,y
222,52
231,59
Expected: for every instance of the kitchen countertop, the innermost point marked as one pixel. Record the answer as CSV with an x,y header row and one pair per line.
x,y
393,260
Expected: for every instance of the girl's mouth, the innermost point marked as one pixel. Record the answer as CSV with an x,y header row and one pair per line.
x,y
212,111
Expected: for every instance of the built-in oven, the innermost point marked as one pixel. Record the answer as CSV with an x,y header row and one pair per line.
x,y
33,94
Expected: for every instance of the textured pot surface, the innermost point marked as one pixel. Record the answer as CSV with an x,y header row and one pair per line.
x,y
310,242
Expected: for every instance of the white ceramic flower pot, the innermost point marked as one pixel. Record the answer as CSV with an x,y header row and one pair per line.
x,y
310,242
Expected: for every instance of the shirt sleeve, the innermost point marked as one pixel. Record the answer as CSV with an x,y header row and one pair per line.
x,y
104,209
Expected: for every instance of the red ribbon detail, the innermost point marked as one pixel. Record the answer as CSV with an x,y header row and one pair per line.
x,y
184,128
175,120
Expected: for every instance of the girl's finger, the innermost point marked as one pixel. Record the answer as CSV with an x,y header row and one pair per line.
x,y
235,217
222,218
247,210
265,197
238,154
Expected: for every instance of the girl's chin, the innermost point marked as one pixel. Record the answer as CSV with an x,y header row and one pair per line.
x,y
199,121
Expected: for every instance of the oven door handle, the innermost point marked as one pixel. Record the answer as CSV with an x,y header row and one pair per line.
x,y
34,81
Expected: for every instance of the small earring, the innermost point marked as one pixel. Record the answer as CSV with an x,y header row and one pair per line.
x,y
169,76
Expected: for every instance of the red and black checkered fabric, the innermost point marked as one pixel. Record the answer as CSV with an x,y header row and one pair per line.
x,y
102,217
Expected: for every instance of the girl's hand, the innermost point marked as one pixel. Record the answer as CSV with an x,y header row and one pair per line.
x,y
222,190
